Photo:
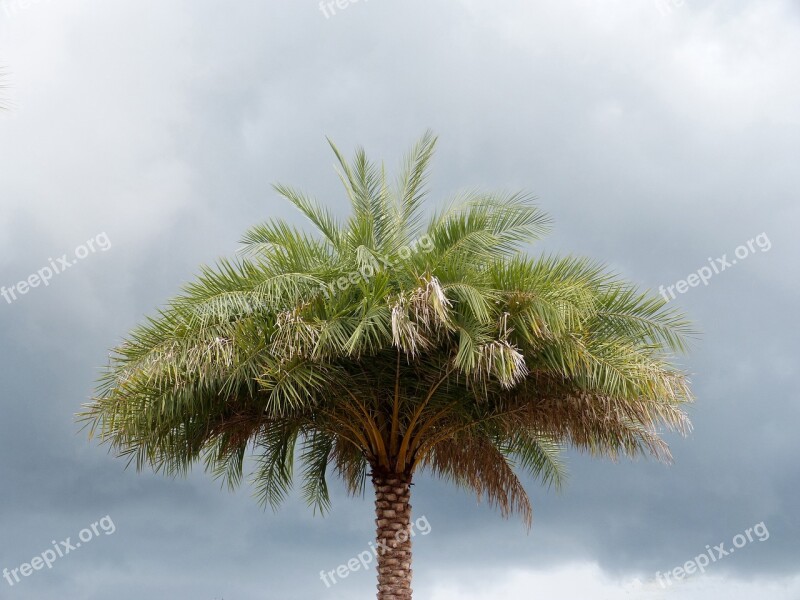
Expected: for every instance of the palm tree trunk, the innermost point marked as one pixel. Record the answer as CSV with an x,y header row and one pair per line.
x,y
393,512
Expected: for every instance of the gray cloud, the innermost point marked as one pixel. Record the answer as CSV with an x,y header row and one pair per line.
x,y
656,139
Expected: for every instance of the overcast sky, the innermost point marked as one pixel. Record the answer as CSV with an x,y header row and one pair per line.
x,y
659,134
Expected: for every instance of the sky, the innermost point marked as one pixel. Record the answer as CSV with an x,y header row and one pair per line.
x,y
142,138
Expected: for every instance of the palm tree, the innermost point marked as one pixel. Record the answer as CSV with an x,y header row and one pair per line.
x,y
384,348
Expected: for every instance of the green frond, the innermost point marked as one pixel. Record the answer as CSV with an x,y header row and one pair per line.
x,y
317,448
273,476
626,313
485,227
411,187
320,217
538,456
286,248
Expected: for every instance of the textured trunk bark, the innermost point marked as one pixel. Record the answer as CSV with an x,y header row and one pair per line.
x,y
393,512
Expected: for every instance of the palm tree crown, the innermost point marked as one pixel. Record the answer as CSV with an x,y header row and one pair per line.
x,y
391,344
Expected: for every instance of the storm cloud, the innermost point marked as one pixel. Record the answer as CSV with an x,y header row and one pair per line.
x,y
658,134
